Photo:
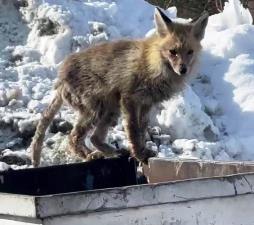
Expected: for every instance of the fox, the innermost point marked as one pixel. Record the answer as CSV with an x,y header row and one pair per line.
x,y
122,78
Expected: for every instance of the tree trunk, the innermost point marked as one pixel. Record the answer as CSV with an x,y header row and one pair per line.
x,y
193,8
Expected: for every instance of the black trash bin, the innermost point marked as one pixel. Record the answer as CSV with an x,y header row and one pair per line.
x,y
97,174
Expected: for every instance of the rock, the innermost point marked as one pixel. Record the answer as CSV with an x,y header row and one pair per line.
x,y
177,150
16,59
15,160
60,125
209,134
6,122
96,27
14,104
27,128
14,93
156,139
181,145
99,38
154,130
151,145
65,127
47,27
20,3
15,143
50,142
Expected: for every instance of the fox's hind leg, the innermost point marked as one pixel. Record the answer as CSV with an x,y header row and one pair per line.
x,y
78,134
108,119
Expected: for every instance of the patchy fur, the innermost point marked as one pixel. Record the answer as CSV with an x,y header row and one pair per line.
x,y
126,76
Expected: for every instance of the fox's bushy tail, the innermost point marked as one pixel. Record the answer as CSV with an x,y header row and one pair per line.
x,y
47,117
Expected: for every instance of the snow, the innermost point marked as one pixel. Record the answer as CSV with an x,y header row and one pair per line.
x,y
221,97
182,113
213,118
4,166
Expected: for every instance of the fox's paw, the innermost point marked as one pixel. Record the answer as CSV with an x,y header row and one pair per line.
x,y
145,154
95,155
79,150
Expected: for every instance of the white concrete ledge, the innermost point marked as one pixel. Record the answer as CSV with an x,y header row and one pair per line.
x,y
17,205
234,210
145,195
127,197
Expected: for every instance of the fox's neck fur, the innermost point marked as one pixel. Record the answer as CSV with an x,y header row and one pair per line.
x,y
152,56
159,74
157,66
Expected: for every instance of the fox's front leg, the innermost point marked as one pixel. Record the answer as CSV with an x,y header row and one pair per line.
x,y
143,119
135,127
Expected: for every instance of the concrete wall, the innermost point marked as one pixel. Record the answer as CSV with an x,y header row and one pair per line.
x,y
212,201
217,211
6,220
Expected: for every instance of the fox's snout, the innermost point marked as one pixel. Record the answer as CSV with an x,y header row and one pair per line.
x,y
181,63
183,69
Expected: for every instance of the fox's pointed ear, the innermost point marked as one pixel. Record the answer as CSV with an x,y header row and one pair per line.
x,y
199,26
162,22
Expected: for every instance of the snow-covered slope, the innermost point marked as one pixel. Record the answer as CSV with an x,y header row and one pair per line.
x,y
219,106
212,119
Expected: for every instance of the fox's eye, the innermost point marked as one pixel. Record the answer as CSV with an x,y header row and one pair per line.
x,y
173,52
190,52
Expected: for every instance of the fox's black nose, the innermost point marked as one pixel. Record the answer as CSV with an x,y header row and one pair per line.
x,y
183,69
